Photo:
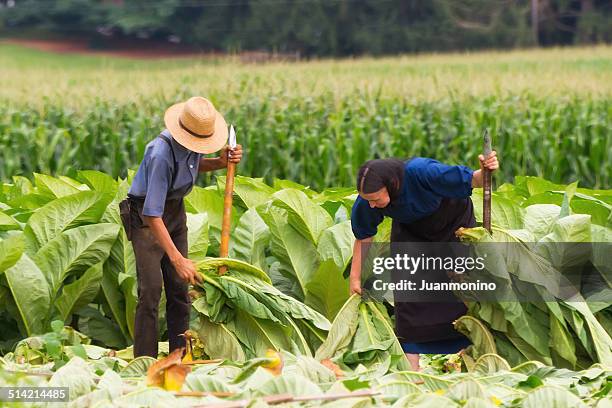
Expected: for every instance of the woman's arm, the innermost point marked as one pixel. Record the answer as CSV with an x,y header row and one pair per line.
x,y
355,276
216,163
184,267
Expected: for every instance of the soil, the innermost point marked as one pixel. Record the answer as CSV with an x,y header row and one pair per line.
x,y
138,49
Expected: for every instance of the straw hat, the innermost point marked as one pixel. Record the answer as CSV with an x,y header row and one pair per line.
x,y
197,125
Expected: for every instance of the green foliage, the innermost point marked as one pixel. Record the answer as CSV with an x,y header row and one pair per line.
x,y
550,328
561,140
238,316
111,381
319,27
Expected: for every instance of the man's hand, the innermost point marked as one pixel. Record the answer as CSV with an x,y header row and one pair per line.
x,y
234,155
185,268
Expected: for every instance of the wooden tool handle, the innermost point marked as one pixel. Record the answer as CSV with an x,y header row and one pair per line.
x,y
486,185
227,214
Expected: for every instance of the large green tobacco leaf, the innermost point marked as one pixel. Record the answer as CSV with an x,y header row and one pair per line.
x,y
481,338
62,214
218,341
80,292
119,277
254,311
544,333
73,251
204,382
332,198
327,290
336,244
202,200
100,328
251,192
361,335
600,255
100,182
539,219
11,249
54,187
309,219
383,326
147,397
31,293
76,375
297,255
210,201
505,213
279,184
367,342
342,330
197,227
8,223
601,339
259,335
250,239
490,364
295,385
551,396
212,265
561,342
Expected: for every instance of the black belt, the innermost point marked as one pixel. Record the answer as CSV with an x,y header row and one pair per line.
x,y
142,199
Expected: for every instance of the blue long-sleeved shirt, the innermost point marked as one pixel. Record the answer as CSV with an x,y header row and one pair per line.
x,y
152,181
426,182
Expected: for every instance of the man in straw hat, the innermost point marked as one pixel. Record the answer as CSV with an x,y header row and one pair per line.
x,y
155,219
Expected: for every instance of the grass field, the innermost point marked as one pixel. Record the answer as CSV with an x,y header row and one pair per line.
x,y
549,111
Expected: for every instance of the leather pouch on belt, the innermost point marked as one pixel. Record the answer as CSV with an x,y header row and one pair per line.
x,y
125,213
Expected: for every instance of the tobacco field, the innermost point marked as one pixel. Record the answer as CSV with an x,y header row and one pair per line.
x,y
67,276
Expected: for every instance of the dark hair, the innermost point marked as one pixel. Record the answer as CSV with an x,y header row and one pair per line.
x,y
379,173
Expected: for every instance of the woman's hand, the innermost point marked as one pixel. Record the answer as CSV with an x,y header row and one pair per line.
x,y
234,155
490,163
355,275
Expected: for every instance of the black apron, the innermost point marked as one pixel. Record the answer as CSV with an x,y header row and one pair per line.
x,y
417,322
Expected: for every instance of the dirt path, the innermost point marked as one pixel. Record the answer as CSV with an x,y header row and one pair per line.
x,y
144,50
135,49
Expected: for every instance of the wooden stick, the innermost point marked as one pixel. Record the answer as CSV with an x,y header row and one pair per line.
x,y
227,213
37,374
218,360
331,397
219,394
282,398
270,399
486,185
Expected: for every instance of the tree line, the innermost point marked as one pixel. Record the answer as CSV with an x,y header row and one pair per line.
x,y
320,27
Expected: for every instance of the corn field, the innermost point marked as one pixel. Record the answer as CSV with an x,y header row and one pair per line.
x,y
317,122
321,143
